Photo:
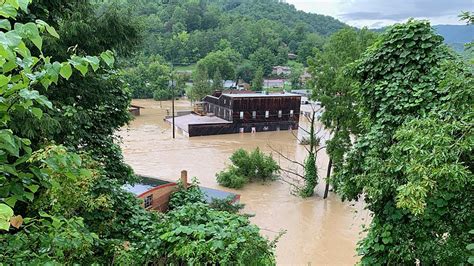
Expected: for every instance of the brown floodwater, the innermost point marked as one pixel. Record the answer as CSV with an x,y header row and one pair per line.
x,y
318,232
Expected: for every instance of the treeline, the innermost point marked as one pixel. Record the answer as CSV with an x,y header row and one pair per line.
x,y
185,31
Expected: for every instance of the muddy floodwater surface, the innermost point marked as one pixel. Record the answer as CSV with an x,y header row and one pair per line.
x,y
318,232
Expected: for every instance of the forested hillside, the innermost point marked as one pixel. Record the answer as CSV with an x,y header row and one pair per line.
x,y
185,31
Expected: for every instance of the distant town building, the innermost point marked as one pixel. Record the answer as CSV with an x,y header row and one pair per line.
x,y
305,77
292,56
227,113
281,70
274,83
229,84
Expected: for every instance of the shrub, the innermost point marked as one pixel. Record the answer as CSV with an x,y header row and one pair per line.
x,y
248,167
226,204
231,178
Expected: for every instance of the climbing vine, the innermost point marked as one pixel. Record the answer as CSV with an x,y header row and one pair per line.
x,y
413,163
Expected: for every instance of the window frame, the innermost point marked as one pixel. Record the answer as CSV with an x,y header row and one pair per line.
x,y
148,201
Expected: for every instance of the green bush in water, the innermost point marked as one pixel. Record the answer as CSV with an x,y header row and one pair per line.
x,y
248,167
231,178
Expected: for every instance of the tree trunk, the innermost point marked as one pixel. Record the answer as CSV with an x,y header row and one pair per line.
x,y
326,190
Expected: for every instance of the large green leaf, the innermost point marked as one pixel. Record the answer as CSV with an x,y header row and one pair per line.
x,y
108,58
23,4
66,70
7,11
37,112
93,61
6,214
5,24
8,143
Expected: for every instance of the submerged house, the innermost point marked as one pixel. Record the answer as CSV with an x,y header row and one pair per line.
x,y
227,113
156,193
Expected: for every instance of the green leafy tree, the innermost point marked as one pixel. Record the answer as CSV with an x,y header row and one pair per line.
x,y
246,71
58,205
297,69
220,61
201,86
257,81
413,161
334,88
148,77
217,82
282,55
311,43
265,59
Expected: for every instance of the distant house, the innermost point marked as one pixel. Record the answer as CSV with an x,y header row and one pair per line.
x,y
292,56
305,77
274,83
281,70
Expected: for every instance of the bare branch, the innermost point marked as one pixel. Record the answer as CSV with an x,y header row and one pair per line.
x,y
293,173
319,149
285,157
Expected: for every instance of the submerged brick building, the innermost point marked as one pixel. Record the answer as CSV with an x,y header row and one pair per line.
x,y
227,113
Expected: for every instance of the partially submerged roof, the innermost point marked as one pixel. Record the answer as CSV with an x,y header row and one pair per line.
x,y
184,121
144,184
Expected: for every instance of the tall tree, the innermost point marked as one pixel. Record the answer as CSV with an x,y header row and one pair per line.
x,y
224,61
201,86
217,82
333,87
257,81
265,59
413,162
91,106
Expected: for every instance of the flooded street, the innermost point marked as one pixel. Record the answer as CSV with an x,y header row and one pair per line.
x,y
318,232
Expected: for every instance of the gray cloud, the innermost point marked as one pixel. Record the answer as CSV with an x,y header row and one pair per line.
x,y
374,13
400,10
371,16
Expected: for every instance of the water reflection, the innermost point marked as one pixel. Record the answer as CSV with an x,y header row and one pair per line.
x,y
320,232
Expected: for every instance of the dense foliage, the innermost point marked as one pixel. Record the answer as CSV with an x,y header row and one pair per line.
x,y
413,161
196,234
186,31
247,167
333,87
150,76
61,200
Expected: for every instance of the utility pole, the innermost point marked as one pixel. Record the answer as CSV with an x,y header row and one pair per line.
x,y
172,100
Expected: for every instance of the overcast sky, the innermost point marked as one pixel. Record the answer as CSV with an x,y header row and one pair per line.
x,y
378,13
